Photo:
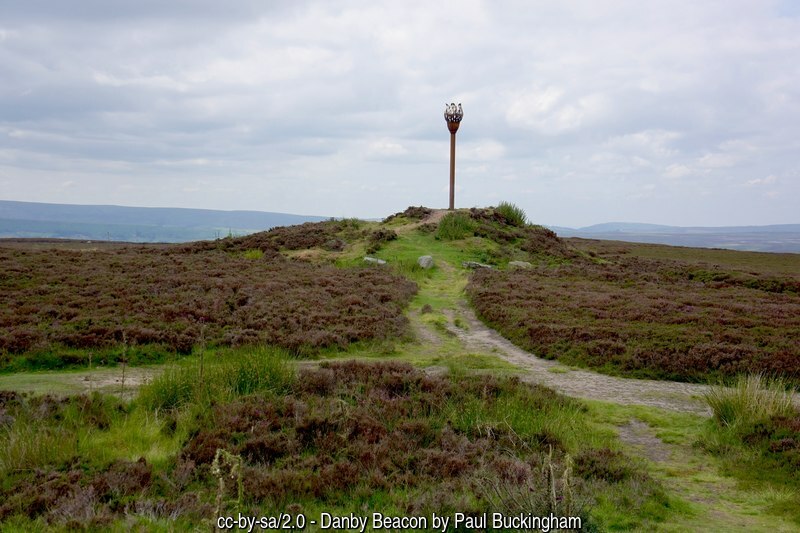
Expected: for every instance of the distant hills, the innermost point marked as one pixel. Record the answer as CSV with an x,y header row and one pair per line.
x,y
134,224
170,224
774,238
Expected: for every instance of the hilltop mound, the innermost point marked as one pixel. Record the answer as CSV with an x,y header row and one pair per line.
x,y
493,224
511,239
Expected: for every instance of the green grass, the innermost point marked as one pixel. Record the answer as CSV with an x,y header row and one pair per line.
x,y
707,486
755,432
228,377
253,254
752,398
102,428
455,226
514,215
60,357
414,244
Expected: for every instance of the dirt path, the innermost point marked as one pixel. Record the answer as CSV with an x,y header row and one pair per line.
x,y
715,502
683,397
105,380
435,216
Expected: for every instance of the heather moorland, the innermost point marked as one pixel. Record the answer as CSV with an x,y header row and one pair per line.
x,y
280,372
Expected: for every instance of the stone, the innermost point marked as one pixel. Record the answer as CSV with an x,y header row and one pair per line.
x,y
334,245
425,262
374,260
474,264
519,264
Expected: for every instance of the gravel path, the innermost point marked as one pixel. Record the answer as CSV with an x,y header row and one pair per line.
x,y
675,396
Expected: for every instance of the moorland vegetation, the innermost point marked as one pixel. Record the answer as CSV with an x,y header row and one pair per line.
x,y
647,318
257,438
263,410
142,304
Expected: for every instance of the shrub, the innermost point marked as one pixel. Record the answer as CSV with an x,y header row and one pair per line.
x,y
341,435
378,238
298,237
412,213
514,215
608,465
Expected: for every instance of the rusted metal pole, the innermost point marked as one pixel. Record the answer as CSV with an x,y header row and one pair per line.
x,y
452,171
453,115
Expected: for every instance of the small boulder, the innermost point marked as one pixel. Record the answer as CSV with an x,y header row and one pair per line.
x,y
375,260
334,245
519,264
474,265
425,262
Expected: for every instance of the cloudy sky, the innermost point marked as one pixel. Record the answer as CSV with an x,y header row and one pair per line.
x,y
673,112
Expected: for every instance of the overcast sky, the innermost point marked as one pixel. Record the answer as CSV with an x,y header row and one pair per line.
x,y
672,112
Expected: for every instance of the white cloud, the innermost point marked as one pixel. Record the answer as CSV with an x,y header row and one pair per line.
x,y
386,148
718,160
547,111
769,180
304,106
675,171
655,143
484,150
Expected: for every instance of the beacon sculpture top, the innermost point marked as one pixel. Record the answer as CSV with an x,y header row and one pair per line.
x,y
453,113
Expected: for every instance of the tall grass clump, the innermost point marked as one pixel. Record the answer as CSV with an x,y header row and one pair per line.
x,y
234,375
264,369
409,268
753,397
514,215
172,389
253,254
27,446
454,226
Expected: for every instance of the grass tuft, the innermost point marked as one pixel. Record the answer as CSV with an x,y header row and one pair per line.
x,y
514,215
454,226
753,397
29,446
263,369
253,254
